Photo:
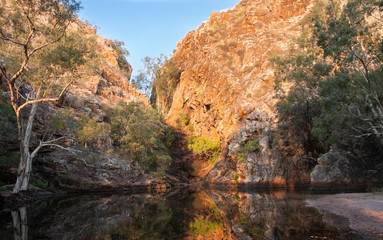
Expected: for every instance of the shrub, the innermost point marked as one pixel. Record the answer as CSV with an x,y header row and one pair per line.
x,y
237,198
139,130
205,146
9,160
251,146
201,144
185,119
241,156
8,127
246,148
191,129
90,131
236,176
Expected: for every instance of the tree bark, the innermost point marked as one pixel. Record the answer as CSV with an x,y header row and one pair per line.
x,y
25,166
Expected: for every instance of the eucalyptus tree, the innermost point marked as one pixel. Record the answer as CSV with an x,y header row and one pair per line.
x,y
158,81
335,71
34,67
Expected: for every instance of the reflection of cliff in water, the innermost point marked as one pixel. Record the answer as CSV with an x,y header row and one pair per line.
x,y
278,216
185,215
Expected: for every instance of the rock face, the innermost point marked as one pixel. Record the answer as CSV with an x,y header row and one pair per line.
x,y
341,168
90,170
227,87
111,84
93,94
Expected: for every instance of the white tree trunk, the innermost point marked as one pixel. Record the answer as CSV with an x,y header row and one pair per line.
x,y
25,166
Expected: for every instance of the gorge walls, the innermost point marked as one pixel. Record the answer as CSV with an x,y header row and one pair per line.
x,y
226,90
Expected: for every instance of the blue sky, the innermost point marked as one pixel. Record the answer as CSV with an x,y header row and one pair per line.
x,y
149,27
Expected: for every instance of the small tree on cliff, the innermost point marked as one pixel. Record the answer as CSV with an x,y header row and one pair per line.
x,y
34,67
158,81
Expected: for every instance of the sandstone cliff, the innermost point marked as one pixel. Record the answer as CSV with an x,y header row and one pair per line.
x,y
95,94
100,84
227,88
106,86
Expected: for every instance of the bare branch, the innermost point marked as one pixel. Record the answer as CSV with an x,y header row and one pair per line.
x,y
44,144
4,74
36,101
65,89
3,37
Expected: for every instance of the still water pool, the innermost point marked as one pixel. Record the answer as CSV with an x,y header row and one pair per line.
x,y
188,214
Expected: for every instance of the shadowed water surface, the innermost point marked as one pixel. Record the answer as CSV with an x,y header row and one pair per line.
x,y
182,215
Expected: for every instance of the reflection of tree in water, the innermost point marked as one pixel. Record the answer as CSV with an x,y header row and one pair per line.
x,y
186,215
20,224
152,222
209,222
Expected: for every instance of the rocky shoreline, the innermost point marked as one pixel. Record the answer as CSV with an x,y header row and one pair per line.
x,y
363,210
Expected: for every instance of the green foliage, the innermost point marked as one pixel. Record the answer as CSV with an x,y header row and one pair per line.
x,y
7,188
244,219
335,72
236,198
153,221
255,231
51,57
164,86
204,225
158,81
378,190
236,176
201,144
240,156
145,80
141,132
90,131
9,160
251,146
250,228
185,118
182,118
214,157
62,120
246,148
205,146
6,109
169,137
39,183
8,126
122,54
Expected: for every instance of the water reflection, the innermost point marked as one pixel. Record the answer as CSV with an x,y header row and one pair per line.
x,y
185,215
20,224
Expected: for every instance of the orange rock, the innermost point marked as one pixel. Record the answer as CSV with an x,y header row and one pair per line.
x,y
227,73
226,64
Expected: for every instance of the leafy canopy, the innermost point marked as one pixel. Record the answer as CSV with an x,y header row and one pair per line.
x,y
141,132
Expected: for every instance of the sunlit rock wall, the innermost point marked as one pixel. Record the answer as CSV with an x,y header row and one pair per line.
x,y
227,86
